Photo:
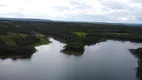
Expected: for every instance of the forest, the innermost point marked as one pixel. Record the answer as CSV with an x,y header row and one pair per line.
x,y
16,35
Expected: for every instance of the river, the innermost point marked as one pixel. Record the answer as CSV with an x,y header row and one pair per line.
x,y
110,60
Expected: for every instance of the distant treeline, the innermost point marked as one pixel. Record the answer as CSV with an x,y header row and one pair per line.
x,y
62,30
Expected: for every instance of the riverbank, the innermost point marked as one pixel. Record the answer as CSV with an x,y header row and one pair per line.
x,y
21,45
138,53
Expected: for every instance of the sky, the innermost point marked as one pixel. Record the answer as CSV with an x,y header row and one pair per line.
x,y
115,11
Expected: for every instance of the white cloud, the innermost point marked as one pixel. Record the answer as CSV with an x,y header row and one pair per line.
x,y
128,18
75,10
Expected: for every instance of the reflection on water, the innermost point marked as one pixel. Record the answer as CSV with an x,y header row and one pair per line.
x,y
15,57
110,60
73,52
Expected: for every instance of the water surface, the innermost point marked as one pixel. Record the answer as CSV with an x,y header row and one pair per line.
x,y
110,60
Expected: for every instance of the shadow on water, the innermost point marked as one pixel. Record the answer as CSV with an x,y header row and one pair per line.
x,y
73,52
15,57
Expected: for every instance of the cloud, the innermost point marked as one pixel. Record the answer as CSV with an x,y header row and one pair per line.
x,y
74,10
127,18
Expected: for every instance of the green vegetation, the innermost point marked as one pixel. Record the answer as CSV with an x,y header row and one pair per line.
x,y
75,45
17,45
17,52
80,34
7,40
126,36
76,41
76,35
63,30
73,52
42,41
138,53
